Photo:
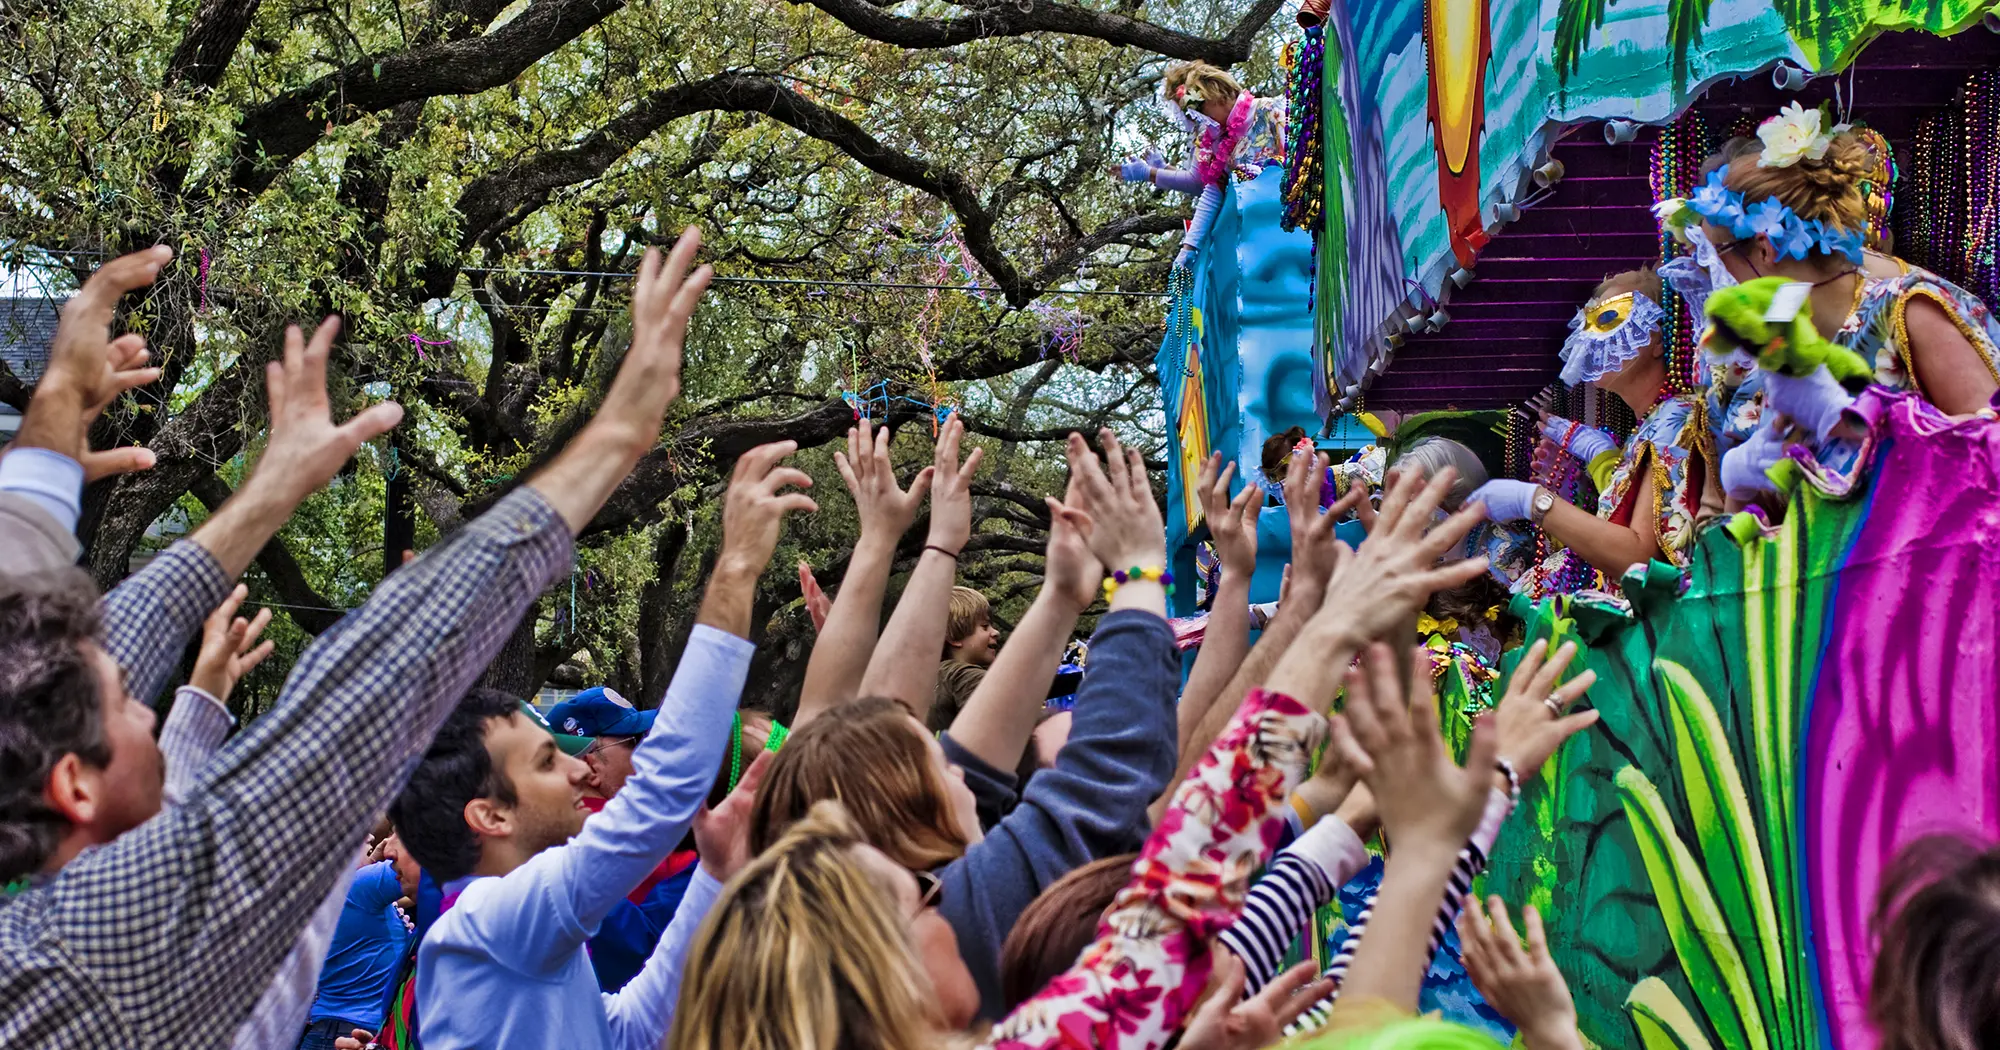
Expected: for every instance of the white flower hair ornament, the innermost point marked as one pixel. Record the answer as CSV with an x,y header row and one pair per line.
x,y
1674,218
1794,135
1606,333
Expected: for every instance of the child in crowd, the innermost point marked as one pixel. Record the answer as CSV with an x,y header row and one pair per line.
x,y
969,647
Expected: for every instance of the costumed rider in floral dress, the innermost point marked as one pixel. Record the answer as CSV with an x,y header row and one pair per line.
x,y
1234,132
1810,206
1650,489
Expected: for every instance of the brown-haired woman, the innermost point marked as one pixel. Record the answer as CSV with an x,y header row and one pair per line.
x,y
1799,208
916,797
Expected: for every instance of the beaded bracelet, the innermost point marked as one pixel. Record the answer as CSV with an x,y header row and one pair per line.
x,y
1122,576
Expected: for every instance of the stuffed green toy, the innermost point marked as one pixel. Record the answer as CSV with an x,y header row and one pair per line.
x,y
1738,318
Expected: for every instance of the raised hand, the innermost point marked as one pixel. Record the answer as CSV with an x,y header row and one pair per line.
x,y
818,605
1122,524
1524,985
649,379
1530,719
1071,571
87,369
885,508
951,489
1227,1021
1426,801
1341,767
753,514
1231,522
1314,550
306,448
722,834
754,508
229,646
1400,566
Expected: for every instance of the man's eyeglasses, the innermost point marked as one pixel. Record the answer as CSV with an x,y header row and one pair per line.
x,y
603,742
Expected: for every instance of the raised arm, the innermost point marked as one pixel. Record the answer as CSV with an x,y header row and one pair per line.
x,y
905,664
642,1013
200,719
1151,960
1000,715
847,639
221,885
1314,554
149,618
1226,639
43,470
1429,807
544,909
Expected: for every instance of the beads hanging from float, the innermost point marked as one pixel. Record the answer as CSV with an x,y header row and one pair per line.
x,y
1677,157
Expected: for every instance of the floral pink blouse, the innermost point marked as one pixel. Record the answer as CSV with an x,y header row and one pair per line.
x,y
1132,988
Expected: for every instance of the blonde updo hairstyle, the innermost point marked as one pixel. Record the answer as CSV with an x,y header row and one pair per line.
x,y
1827,189
804,950
1203,80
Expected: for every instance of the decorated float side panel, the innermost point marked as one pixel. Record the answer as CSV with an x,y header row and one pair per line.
x,y
1237,363
1270,273
1708,856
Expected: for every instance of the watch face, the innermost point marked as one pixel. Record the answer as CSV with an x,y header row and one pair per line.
x,y
1544,501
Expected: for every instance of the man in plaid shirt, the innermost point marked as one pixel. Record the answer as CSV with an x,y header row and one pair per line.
x,y
112,937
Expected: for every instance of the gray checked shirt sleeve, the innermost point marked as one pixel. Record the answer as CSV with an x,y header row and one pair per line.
x,y
150,618
177,926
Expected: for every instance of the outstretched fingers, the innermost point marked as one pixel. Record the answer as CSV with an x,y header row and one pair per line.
x,y
758,461
97,301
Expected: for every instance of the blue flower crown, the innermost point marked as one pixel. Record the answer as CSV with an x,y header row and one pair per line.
x,y
1791,236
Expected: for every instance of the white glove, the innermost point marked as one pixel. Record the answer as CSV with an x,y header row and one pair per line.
x,y
1813,401
1506,499
1744,467
1588,444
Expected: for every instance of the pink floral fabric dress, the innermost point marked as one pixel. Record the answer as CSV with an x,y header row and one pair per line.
x,y
1132,988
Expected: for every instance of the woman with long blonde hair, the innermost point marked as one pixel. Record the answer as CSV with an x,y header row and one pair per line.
x,y
811,946
913,794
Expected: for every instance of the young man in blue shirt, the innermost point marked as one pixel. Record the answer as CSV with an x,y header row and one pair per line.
x,y
603,728
496,811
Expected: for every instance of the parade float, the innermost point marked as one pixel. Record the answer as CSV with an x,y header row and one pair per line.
x,y
1817,686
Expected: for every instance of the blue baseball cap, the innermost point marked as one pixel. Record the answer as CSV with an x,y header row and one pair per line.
x,y
599,711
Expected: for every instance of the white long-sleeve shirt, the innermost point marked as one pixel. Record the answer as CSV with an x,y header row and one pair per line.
x,y
506,966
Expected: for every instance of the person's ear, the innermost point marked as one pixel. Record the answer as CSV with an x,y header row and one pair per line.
x,y
74,789
489,819
1763,254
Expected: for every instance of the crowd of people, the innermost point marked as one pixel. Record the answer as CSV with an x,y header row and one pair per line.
x,y
394,857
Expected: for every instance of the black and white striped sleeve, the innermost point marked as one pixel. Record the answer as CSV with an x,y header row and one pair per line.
x,y
1281,904
1471,861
